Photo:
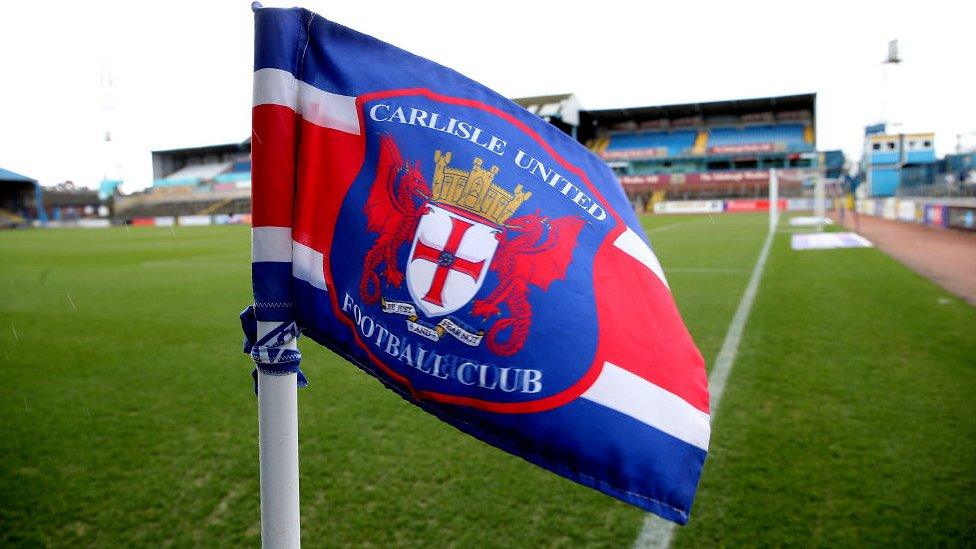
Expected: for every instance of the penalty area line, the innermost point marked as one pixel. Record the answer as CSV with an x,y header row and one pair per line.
x,y
657,532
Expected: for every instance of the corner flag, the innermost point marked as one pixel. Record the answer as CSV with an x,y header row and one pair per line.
x,y
477,261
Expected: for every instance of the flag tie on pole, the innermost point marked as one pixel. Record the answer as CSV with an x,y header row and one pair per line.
x,y
269,353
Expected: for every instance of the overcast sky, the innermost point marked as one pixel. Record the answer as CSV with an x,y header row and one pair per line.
x,y
182,70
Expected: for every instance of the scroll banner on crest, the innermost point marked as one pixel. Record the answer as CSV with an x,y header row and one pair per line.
x,y
470,256
432,332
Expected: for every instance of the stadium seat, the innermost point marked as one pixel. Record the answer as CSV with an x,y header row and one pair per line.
x,y
199,172
793,136
676,142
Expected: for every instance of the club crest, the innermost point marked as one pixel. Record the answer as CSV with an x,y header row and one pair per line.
x,y
460,228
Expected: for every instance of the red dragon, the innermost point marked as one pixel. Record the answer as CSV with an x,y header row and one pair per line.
x,y
393,209
527,254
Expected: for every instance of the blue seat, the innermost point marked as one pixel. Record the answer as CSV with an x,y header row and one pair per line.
x,y
677,142
790,135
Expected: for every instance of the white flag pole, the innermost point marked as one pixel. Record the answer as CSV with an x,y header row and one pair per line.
x,y
278,438
773,199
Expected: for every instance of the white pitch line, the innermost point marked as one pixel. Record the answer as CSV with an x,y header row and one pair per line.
x,y
657,532
675,225
730,346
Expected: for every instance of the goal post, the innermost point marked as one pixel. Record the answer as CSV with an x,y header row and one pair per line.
x,y
819,201
801,183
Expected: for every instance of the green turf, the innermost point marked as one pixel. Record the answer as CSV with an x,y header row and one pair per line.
x,y
848,417
129,419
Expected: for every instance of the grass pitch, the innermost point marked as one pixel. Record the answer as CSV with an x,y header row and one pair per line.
x,y
128,417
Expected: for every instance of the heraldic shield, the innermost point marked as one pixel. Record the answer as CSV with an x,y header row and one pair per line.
x,y
449,259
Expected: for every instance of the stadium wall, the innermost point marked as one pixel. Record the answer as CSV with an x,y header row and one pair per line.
x,y
948,214
731,206
153,221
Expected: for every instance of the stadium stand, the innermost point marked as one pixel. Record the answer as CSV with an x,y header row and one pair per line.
x,y
789,136
893,162
167,163
561,110
722,149
17,199
68,203
833,164
675,143
905,165
904,181
197,172
690,151
211,180
206,201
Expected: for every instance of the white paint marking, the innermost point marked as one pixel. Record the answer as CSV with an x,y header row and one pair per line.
x,y
669,226
657,532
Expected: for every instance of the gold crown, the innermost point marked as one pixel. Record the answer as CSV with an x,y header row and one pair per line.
x,y
474,191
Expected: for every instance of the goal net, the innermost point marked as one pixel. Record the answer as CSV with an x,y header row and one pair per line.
x,y
804,187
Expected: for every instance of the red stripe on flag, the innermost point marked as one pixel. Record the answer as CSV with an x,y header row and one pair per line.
x,y
329,161
272,165
641,330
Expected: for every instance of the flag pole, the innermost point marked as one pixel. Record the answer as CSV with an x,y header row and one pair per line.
x,y
278,439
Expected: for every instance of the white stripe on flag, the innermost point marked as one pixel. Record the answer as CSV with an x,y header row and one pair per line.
x,y
275,87
322,108
307,265
271,244
640,399
633,245
329,110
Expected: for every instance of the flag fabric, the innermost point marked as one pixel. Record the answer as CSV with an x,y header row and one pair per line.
x,y
476,260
